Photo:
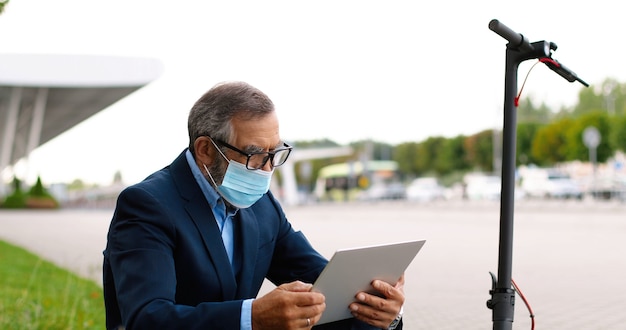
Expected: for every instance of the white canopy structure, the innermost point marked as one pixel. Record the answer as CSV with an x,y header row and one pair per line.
x,y
43,95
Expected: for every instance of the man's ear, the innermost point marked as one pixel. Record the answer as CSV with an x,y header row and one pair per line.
x,y
205,151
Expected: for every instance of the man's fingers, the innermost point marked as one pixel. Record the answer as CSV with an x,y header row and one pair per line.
x,y
376,317
374,306
400,284
385,288
379,311
296,286
289,306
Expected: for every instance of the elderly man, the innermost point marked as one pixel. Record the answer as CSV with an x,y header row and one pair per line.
x,y
190,246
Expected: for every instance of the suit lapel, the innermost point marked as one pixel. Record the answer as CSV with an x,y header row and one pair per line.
x,y
201,214
205,222
248,240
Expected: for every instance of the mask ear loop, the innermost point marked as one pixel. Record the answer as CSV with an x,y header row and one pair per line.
x,y
221,153
218,150
209,173
207,169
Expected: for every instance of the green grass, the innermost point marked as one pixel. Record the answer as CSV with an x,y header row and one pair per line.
x,y
35,294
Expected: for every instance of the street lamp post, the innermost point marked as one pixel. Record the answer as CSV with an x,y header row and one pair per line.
x,y
591,139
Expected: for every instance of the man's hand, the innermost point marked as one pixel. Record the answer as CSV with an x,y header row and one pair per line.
x,y
289,306
376,311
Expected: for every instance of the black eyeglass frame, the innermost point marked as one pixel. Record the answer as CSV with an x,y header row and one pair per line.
x,y
269,154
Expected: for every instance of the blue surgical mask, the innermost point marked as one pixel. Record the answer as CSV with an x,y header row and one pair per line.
x,y
242,187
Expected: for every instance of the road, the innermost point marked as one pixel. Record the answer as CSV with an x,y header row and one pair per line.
x,y
568,256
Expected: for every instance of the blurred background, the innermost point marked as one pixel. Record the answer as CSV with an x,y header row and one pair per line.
x,y
395,110
94,97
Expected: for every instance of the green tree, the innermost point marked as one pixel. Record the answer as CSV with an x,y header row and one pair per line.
x,y
544,137
39,197
38,189
617,136
609,96
77,184
479,150
452,156
588,100
613,96
428,152
575,148
549,145
525,136
17,198
528,113
405,154
3,4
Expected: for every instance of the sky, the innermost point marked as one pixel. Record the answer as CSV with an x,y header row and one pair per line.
x,y
390,71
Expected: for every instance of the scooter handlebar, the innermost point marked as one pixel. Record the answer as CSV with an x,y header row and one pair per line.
x,y
515,39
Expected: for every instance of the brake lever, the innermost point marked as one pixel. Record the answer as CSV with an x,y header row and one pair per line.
x,y
562,70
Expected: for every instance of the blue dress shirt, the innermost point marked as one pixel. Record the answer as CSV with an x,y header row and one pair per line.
x,y
224,218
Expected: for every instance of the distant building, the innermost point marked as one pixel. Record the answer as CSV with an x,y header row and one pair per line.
x,y
44,95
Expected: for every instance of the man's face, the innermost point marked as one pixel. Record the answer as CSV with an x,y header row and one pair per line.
x,y
256,135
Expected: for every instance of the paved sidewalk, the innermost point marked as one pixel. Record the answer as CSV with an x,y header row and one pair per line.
x,y
568,255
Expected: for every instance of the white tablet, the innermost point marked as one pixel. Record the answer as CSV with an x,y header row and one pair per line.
x,y
350,271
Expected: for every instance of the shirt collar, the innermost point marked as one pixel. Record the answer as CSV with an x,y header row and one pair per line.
x,y
208,190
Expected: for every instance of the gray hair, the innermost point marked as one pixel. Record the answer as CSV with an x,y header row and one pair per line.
x,y
211,115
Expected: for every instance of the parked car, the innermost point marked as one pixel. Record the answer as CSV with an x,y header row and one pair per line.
x,y
484,187
550,183
384,190
607,187
425,190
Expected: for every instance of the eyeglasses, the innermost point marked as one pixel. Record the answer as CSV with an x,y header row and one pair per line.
x,y
256,160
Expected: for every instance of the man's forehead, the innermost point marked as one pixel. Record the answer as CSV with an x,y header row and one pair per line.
x,y
260,132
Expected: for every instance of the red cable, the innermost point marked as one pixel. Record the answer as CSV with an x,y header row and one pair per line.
x,y
530,310
527,74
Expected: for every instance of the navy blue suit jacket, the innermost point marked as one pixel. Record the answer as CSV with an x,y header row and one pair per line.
x,y
165,266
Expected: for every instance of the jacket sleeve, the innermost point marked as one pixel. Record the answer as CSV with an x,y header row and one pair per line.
x,y
294,258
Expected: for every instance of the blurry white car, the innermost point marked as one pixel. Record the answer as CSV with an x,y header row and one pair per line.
x,y
489,187
484,187
391,190
425,190
551,183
